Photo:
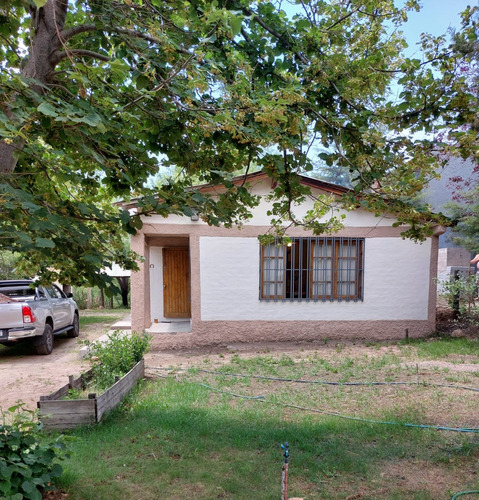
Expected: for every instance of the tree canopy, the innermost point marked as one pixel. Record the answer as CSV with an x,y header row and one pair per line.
x,y
97,95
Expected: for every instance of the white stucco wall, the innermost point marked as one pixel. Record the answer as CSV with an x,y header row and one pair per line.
x,y
396,284
156,283
355,218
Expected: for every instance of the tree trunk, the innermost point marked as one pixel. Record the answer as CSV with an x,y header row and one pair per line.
x,y
9,154
47,23
88,299
124,281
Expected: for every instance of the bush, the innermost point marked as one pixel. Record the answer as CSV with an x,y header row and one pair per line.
x,y
28,462
116,357
459,292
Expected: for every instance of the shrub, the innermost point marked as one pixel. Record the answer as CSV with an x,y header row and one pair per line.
x,y
116,357
459,292
28,462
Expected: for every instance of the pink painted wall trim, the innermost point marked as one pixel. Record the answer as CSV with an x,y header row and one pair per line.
x,y
221,332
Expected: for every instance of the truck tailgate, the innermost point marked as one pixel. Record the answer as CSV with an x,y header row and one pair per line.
x,y
11,315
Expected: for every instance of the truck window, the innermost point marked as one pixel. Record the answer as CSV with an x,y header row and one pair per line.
x,y
18,292
53,292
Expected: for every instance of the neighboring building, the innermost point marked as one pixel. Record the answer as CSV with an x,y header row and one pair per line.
x,y
455,174
364,282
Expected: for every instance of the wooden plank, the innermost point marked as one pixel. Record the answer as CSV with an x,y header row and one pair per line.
x,y
71,418
67,406
78,383
62,422
63,391
176,283
113,396
119,388
65,414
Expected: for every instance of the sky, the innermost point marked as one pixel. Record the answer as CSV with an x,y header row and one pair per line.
x,y
435,17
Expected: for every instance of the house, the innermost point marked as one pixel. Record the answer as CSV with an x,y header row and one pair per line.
x,y
363,282
456,174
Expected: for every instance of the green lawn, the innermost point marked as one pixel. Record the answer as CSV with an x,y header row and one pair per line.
x,y
99,318
191,435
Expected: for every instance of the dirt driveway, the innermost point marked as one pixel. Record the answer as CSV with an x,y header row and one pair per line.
x,y
26,376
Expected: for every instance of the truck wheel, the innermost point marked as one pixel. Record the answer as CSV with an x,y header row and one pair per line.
x,y
45,345
75,331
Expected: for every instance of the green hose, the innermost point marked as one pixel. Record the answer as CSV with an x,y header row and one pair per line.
x,y
471,492
262,399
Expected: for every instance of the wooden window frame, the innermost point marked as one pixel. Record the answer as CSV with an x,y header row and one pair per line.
x,y
343,281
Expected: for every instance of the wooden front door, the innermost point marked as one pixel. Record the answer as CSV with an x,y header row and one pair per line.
x,y
176,283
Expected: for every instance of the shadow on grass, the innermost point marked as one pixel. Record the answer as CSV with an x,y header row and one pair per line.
x,y
178,441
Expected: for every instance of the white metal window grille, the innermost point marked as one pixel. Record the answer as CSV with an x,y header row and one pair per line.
x,y
313,269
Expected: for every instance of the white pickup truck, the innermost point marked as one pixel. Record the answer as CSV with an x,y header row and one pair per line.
x,y
36,313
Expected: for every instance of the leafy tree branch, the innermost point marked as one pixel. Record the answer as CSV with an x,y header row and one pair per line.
x,y
97,97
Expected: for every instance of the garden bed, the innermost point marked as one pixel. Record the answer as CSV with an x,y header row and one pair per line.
x,y
59,414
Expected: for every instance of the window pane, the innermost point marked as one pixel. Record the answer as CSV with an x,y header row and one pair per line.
x,y
322,268
273,272
347,275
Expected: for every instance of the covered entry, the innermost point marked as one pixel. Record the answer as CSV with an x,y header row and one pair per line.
x,y
170,280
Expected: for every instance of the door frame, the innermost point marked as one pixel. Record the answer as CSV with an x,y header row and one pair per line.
x,y
176,283
156,277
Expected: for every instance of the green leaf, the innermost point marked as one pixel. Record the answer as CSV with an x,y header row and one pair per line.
x,y
235,23
33,495
47,109
125,217
94,259
28,486
5,471
44,243
40,3
56,471
142,82
95,121
23,238
30,206
119,66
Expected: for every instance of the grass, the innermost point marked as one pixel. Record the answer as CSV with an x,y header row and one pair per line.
x,y
98,318
187,435
443,347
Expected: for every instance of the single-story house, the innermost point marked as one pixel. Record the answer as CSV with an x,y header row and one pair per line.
x,y
363,282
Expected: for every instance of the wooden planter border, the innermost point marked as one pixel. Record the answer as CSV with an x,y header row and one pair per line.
x,y
60,414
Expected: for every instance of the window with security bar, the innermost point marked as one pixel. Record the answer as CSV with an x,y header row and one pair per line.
x,y
320,268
